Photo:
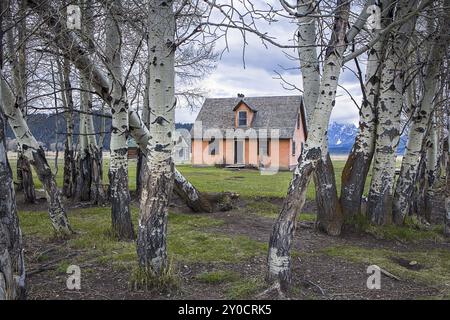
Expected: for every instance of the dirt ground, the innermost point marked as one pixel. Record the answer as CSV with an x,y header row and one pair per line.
x,y
315,275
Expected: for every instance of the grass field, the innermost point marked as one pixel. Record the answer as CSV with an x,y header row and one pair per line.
x,y
223,254
246,182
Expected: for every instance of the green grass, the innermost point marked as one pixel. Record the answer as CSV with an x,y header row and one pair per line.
x,y
412,231
60,171
245,288
219,276
248,183
188,241
435,263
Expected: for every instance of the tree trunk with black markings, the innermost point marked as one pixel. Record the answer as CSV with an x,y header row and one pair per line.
x,y
279,259
357,166
122,225
326,193
12,264
18,62
35,154
142,161
12,272
89,181
69,155
158,180
380,198
26,180
420,123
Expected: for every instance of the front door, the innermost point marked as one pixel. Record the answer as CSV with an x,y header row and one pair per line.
x,y
238,152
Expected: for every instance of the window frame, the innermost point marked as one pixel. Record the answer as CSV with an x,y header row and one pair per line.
x,y
212,146
239,118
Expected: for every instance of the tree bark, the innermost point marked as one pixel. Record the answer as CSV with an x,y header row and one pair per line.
x,y
67,100
89,181
26,180
411,159
431,169
356,168
18,68
389,109
12,263
122,225
12,271
142,161
326,193
158,181
279,260
36,156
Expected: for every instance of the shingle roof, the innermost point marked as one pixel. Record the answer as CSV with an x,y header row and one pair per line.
x,y
275,112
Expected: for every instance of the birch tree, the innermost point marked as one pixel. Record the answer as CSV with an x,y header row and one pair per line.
x,y
420,122
158,183
17,58
118,170
89,185
357,166
326,193
35,154
12,270
64,71
389,109
279,260
100,84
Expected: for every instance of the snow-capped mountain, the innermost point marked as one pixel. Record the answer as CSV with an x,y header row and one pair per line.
x,y
341,137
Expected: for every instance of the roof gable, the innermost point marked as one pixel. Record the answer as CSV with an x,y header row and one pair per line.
x,y
244,103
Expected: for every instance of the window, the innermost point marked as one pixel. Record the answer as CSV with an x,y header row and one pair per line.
x,y
264,147
293,148
242,120
298,120
212,147
181,153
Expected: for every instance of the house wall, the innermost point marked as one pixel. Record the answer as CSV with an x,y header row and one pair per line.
x,y
279,153
299,138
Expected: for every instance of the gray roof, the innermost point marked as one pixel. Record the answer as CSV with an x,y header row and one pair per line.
x,y
276,112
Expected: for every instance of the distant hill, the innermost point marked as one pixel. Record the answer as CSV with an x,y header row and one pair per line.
x,y
43,126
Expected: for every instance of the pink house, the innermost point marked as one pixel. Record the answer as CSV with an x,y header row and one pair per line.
x,y
249,132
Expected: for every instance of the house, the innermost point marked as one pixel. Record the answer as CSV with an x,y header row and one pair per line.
x,y
132,149
182,149
260,132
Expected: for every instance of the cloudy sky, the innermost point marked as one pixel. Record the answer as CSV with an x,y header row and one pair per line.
x,y
259,76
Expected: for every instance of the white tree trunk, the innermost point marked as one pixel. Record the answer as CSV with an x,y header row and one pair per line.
x,y
17,57
158,183
118,169
279,260
12,285
411,159
89,180
389,110
36,156
356,168
326,196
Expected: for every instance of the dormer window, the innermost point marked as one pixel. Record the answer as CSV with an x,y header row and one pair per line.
x,y
242,118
